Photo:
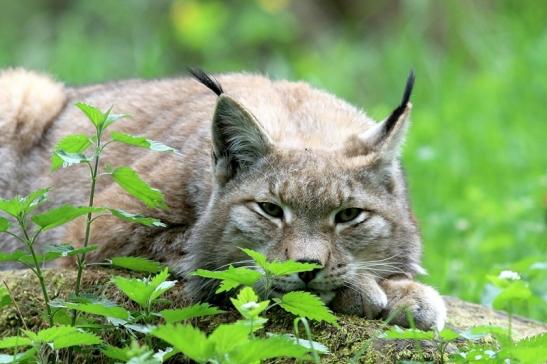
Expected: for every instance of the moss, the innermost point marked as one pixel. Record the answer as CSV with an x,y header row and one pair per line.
x,y
353,334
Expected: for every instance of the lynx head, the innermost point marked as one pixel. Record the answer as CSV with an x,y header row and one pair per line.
x,y
344,208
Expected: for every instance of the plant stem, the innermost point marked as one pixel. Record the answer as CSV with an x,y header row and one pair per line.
x,y
38,271
89,220
16,305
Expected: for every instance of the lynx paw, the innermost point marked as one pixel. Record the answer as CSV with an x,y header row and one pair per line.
x,y
368,300
423,302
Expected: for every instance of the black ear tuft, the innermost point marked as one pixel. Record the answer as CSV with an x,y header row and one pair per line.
x,y
408,88
207,80
395,114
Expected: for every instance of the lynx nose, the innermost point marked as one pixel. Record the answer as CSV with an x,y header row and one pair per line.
x,y
307,277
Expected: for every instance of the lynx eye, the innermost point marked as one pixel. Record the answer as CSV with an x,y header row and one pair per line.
x,y
271,209
347,215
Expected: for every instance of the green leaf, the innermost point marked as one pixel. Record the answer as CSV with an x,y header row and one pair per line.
x,y
4,224
74,143
318,347
61,215
190,312
28,356
234,276
17,256
130,181
307,305
272,347
18,205
51,252
76,339
5,298
142,142
115,353
63,337
259,258
247,303
137,264
530,350
100,309
187,339
144,292
66,250
112,118
289,267
70,159
284,268
410,334
227,337
139,219
514,292
14,342
96,116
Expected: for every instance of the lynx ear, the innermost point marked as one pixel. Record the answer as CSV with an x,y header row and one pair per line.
x,y
238,139
387,137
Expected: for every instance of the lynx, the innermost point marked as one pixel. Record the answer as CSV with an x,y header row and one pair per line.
x,y
275,166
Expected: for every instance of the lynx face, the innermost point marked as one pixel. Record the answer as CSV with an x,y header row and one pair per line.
x,y
344,209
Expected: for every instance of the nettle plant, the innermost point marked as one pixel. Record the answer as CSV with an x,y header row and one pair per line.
x,y
84,325
75,322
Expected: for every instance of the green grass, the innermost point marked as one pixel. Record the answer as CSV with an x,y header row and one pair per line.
x,y
475,156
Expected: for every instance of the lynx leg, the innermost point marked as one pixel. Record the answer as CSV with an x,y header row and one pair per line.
x,y
367,299
423,302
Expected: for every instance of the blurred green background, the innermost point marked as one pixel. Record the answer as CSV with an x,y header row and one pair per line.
x,y
476,155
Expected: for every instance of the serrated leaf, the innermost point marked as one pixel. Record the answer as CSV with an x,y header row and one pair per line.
x,y
226,337
69,159
100,309
318,347
137,264
130,181
141,142
22,205
14,342
289,267
187,339
269,348
139,219
144,292
307,305
190,312
74,143
113,352
79,338
248,304
112,118
234,276
61,215
259,258
4,224
96,116
67,250
277,268
530,350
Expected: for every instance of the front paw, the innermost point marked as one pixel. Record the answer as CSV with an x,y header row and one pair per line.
x,y
423,303
366,299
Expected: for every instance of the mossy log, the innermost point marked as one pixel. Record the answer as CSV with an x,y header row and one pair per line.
x,y
352,336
